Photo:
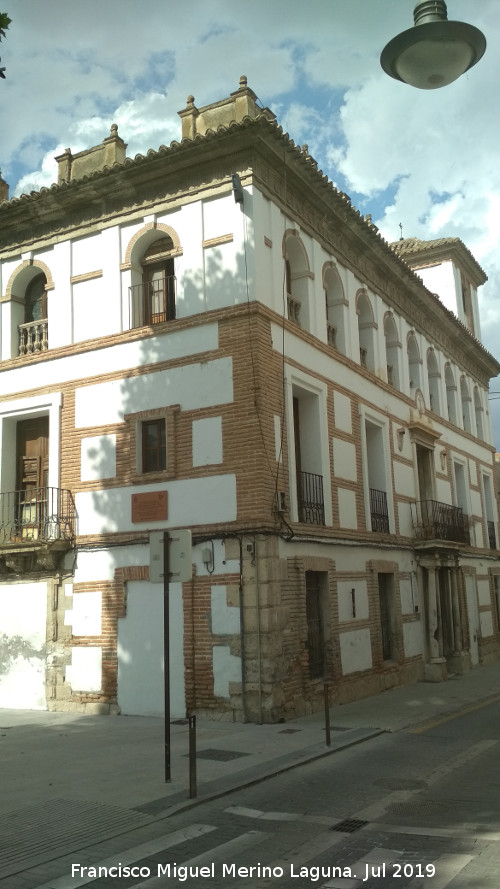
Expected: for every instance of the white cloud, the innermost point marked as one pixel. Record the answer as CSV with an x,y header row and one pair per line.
x,y
425,159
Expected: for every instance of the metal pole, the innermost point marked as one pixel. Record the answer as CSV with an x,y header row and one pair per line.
x,y
327,715
166,649
192,757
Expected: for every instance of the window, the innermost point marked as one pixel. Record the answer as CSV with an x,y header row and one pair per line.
x,y
35,304
159,282
154,445
466,403
366,330
336,304
387,615
451,394
33,332
478,409
377,481
153,299
315,615
434,381
297,274
414,362
308,466
392,350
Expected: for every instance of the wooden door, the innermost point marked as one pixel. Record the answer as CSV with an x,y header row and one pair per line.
x,y
159,292
32,448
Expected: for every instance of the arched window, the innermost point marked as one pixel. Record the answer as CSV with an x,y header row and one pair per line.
x,y
159,282
335,309
33,333
434,381
366,330
478,410
392,350
414,363
466,402
297,275
451,394
150,261
35,300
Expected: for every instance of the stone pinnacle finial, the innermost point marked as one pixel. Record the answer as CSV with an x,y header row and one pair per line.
x,y
190,101
243,81
114,129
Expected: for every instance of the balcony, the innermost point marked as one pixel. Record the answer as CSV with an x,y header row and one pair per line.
x,y
293,309
37,526
492,538
331,334
33,337
153,302
310,498
379,511
433,520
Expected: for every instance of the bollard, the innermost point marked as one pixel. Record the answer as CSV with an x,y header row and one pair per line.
x,y
192,757
327,716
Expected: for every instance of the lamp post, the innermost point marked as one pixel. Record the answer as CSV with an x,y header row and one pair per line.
x,y
435,52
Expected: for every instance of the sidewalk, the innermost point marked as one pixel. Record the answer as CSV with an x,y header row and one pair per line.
x,y
72,781
120,759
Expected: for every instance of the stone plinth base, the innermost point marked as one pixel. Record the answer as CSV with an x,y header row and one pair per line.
x,y
459,663
435,670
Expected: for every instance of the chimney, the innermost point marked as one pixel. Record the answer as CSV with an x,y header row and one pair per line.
x,y
240,104
75,166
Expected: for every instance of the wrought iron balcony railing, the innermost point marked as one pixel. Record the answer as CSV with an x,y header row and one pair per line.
x,y
33,337
379,511
491,535
310,498
433,520
37,515
153,302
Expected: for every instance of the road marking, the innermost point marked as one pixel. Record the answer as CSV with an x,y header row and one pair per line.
x,y
242,811
216,854
463,831
307,851
129,856
429,725
447,868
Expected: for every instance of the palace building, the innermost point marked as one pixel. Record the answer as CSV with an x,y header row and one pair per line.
x,y
210,337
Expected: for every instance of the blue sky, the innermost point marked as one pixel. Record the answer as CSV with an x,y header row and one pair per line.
x,y
427,160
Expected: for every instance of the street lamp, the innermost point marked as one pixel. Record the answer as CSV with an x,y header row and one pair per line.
x,y
435,52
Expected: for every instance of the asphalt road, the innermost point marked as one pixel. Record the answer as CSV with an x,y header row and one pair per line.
x,y
403,811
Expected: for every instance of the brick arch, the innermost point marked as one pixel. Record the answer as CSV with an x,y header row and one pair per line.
x,y
25,272
142,234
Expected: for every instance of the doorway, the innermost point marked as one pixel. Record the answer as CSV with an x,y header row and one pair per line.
x,y
32,472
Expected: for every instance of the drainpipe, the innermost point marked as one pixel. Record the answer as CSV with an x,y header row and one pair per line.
x,y
242,636
257,601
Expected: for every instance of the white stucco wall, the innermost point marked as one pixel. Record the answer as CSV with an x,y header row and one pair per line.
x,y
355,651
140,651
190,502
23,618
413,638
344,459
345,597
347,508
207,441
342,412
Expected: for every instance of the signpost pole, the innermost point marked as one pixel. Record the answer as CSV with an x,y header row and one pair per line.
x,y
166,648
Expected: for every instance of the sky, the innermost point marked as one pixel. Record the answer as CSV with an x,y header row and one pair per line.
x,y
427,160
